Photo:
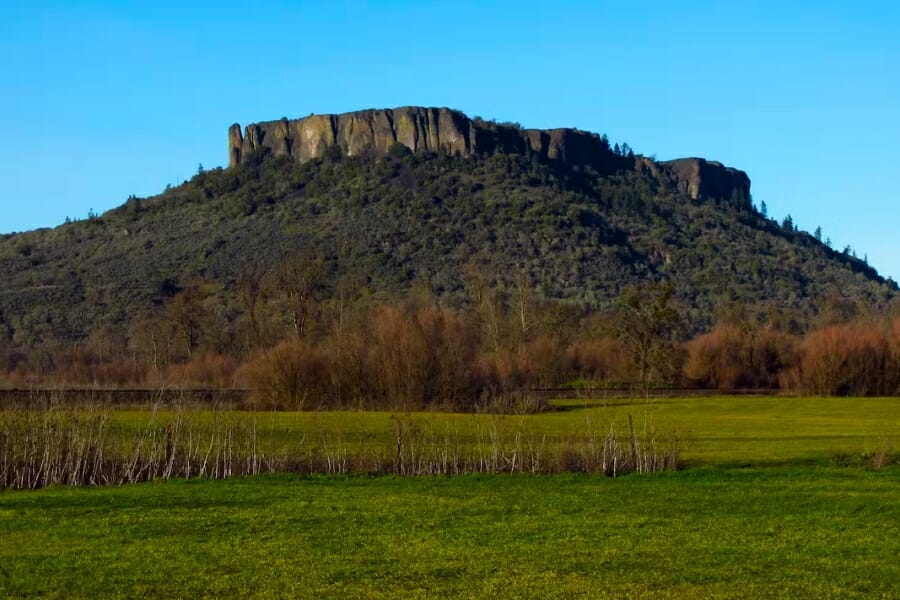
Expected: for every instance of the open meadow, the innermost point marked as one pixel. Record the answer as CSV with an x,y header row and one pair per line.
x,y
719,430
773,497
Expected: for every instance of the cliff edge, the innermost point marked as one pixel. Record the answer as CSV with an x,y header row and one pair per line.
x,y
443,130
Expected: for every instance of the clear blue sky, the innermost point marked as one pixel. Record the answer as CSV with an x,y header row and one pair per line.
x,y
105,99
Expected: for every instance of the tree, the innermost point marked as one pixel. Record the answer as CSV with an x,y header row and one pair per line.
x,y
150,341
763,209
251,294
818,234
648,324
487,301
788,224
399,150
837,308
525,301
133,205
167,287
185,311
299,280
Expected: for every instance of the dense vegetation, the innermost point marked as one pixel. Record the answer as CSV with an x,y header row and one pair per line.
x,y
526,274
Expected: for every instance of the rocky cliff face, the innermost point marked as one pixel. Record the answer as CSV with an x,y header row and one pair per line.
x,y
701,179
442,130
419,129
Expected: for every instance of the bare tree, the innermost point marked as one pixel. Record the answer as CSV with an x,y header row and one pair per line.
x,y
150,338
251,294
648,324
299,280
525,303
487,302
186,312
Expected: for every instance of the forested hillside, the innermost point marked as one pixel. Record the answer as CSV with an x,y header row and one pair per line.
x,y
382,226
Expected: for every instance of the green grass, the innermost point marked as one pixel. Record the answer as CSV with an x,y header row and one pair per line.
x,y
761,430
795,524
744,431
712,532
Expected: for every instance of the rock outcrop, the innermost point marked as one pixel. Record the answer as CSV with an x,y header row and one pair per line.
x,y
442,130
702,179
419,129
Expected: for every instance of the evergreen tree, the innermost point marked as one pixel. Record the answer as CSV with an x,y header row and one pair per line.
x,y
788,223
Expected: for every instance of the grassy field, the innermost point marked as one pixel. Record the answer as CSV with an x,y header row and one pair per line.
x,y
709,532
766,508
740,431
765,429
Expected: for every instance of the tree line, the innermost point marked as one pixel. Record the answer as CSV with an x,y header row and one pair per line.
x,y
300,339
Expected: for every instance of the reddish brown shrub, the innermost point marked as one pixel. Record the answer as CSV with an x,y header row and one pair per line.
x,y
599,359
855,359
452,345
540,363
79,365
291,375
730,357
347,354
400,357
204,370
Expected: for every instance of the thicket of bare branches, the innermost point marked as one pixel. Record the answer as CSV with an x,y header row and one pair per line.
x,y
60,446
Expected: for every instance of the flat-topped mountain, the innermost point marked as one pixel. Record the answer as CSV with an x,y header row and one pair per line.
x,y
420,198
450,132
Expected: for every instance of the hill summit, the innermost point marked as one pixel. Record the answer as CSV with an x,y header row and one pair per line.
x,y
375,132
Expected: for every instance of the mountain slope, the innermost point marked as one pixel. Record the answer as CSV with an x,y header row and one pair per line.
x,y
393,219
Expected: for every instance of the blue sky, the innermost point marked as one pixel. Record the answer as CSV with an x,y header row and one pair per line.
x,y
106,99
